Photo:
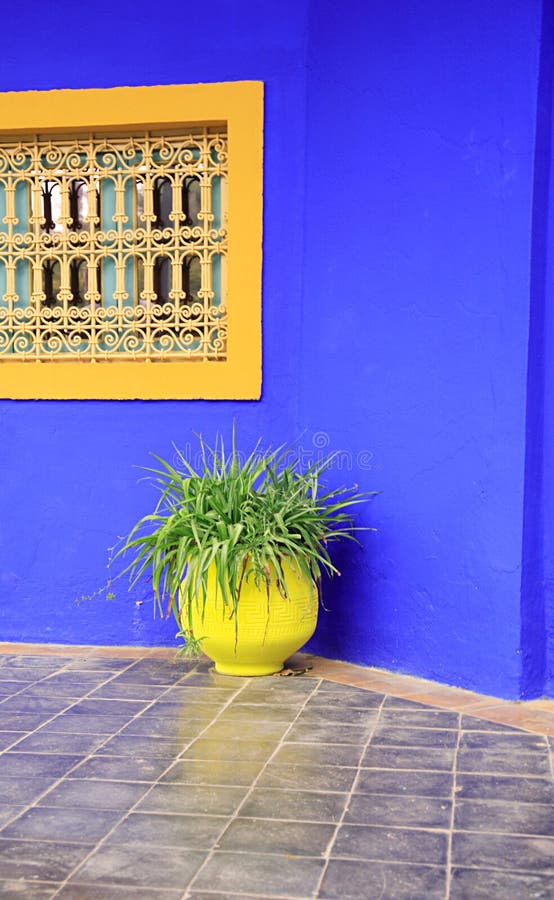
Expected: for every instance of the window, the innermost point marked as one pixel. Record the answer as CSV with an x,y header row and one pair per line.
x,y
130,242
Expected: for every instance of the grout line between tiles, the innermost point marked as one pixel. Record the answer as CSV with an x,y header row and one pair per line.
x,y
433,694
327,854
55,783
236,814
452,811
126,813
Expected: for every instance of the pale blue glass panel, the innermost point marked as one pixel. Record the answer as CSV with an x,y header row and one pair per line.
x,y
108,203
107,189
3,226
22,283
108,281
3,281
129,202
130,285
216,201
216,278
22,207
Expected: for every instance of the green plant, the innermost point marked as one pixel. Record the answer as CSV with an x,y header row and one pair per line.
x,y
242,517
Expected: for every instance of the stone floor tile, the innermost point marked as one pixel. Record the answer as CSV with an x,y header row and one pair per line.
x,y
143,746
67,723
474,723
39,860
194,832
97,664
85,681
17,889
213,679
22,721
140,866
9,811
70,691
428,758
34,660
182,709
290,692
350,697
419,718
390,844
505,787
94,794
386,735
103,707
274,836
185,694
111,690
7,688
64,825
193,799
181,729
500,816
56,742
212,771
347,715
23,703
150,677
254,713
7,738
245,751
500,851
357,880
330,733
305,806
29,765
508,741
244,731
488,884
384,809
186,725
251,872
122,768
26,676
297,776
319,754
502,761
392,702
405,783
75,891
219,895
21,791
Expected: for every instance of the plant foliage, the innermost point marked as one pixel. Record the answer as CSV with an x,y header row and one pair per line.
x,y
241,516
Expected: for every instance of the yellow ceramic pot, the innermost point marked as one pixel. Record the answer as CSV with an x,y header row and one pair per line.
x,y
268,632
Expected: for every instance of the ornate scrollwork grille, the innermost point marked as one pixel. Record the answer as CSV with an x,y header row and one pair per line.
x,y
113,248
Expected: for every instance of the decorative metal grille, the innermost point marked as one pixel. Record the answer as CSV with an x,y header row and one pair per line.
x,y
113,248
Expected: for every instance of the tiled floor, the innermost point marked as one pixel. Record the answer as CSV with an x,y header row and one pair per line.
x,y
125,777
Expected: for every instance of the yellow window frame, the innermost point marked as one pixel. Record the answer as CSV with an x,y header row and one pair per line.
x,y
240,106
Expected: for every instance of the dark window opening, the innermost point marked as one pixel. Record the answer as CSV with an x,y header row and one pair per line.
x,y
162,278
162,202
78,281
47,190
77,194
50,281
191,200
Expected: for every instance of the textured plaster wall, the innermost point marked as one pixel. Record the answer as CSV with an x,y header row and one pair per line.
x,y
69,485
538,557
421,129
399,202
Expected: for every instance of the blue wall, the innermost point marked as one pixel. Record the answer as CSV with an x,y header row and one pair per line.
x,y
402,242
421,129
